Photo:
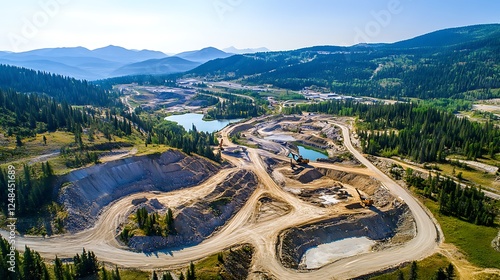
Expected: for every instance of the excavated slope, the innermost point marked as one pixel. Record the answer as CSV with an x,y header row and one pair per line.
x,y
195,223
294,242
87,191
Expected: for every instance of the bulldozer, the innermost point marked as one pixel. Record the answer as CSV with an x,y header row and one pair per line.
x,y
299,159
365,201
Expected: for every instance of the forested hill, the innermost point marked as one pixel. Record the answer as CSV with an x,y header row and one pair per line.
x,y
460,63
72,91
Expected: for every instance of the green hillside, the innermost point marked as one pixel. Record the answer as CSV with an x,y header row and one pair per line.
x,y
442,64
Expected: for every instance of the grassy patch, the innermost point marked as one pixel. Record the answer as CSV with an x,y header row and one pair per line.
x,y
473,240
471,175
426,268
217,204
208,268
132,274
142,150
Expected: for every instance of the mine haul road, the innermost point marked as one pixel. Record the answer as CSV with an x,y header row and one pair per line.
x,y
241,229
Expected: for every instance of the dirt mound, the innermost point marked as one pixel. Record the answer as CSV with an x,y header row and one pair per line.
x,y
195,223
87,191
308,175
272,128
381,226
362,182
270,208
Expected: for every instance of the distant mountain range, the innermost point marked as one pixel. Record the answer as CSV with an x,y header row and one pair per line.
x,y
458,62
168,65
110,61
455,62
245,51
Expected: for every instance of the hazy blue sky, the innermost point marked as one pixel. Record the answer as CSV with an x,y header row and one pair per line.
x,y
178,25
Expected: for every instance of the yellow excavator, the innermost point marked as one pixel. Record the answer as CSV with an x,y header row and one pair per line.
x,y
365,201
299,159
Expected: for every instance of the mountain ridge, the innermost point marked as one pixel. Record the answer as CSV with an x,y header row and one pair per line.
x,y
421,67
203,55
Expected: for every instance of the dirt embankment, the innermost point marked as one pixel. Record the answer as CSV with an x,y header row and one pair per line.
x,y
380,226
86,192
362,182
195,223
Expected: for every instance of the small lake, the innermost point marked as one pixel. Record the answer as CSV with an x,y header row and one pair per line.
x,y
187,121
311,154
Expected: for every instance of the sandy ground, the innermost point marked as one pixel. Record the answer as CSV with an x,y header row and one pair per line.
x,y
118,154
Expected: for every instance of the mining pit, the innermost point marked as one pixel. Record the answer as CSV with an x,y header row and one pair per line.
x,y
85,192
378,228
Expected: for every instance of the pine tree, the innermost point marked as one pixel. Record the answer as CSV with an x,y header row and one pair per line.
x,y
58,269
19,142
155,276
115,275
167,276
104,273
440,275
191,275
413,271
181,277
400,275
450,271
28,266
68,273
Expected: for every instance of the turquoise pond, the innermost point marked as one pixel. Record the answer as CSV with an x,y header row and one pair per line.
x,y
311,154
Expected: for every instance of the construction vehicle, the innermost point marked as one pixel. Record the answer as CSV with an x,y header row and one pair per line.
x,y
299,159
365,201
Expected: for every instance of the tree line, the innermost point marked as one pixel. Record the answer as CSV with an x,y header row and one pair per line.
x,y
34,189
62,89
446,273
27,114
422,133
192,141
233,107
468,203
30,266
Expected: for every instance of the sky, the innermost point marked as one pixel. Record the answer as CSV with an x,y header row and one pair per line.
x,y
173,26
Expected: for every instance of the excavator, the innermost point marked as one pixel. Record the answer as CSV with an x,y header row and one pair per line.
x,y
365,201
299,159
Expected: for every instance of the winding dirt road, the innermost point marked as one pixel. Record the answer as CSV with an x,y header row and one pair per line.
x,y
241,229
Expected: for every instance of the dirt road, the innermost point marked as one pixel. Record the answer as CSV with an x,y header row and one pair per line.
x,y
241,229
